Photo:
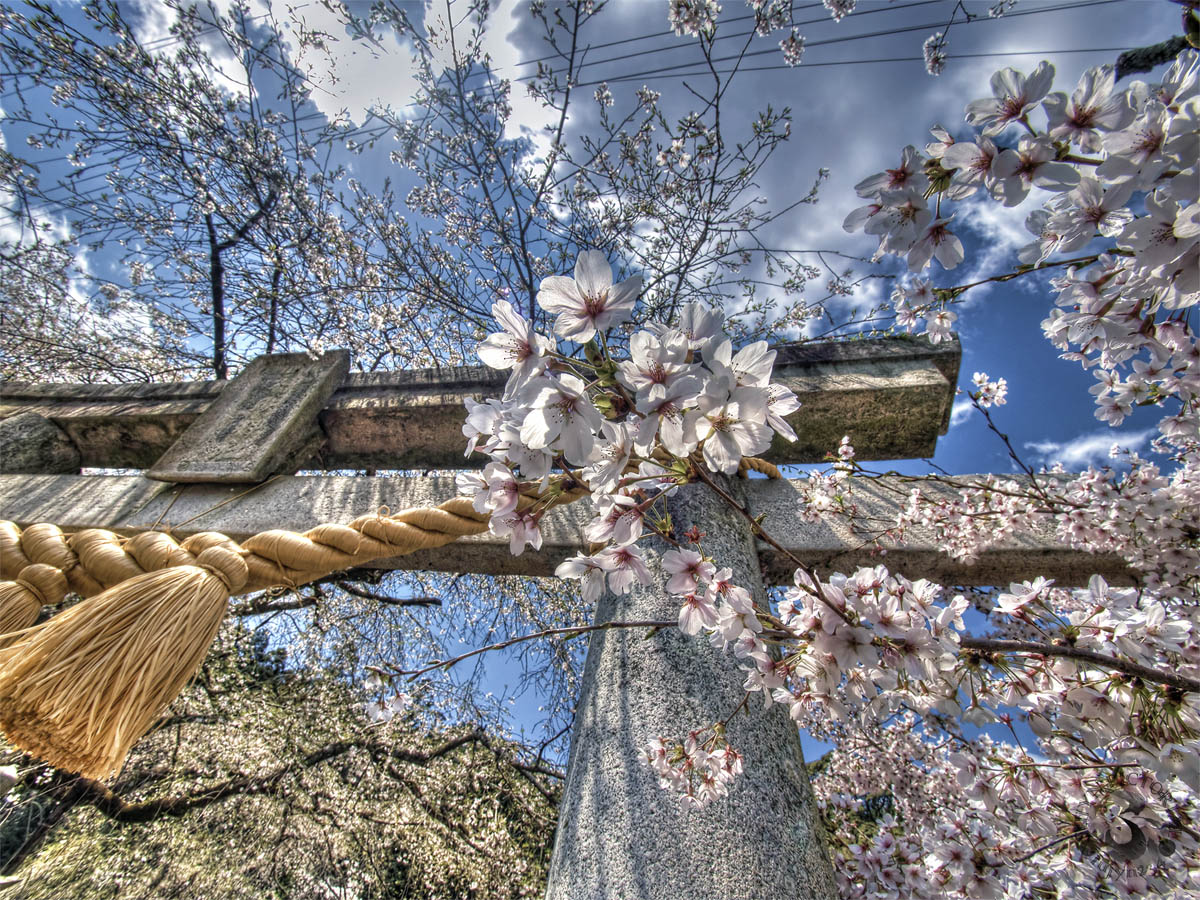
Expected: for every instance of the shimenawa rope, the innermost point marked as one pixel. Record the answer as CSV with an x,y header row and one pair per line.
x,y
78,690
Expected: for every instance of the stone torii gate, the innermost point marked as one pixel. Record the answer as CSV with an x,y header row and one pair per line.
x,y
221,456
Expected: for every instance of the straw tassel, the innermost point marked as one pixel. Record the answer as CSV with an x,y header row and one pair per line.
x,y
78,690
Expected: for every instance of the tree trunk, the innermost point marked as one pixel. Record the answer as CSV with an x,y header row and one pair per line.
x,y
216,276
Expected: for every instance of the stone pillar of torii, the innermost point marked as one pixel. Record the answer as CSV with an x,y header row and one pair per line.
x,y
221,457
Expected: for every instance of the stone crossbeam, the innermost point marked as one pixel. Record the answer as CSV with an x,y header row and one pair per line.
x,y
893,395
128,504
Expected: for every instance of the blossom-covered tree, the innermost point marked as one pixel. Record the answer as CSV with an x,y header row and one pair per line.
x,y
1098,688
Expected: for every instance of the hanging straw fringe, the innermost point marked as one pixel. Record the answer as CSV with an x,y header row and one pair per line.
x,y
81,688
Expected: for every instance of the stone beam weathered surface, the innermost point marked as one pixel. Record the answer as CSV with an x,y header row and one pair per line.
x,y
32,443
832,544
128,504
263,423
892,395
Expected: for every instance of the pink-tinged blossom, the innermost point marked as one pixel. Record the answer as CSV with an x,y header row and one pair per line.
x,y
793,48
589,302
663,407
501,491
988,392
1180,83
1031,165
483,419
839,9
971,162
727,431
590,570
750,367
628,568
1013,96
1093,209
687,569
934,50
701,325
1049,228
696,613
613,453
1021,595
781,402
1093,108
521,529
908,176
1152,237
1138,150
619,519
901,221
693,17
944,140
517,347
655,360
859,218
937,242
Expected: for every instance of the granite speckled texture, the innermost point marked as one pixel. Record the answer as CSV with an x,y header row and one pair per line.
x,y
619,834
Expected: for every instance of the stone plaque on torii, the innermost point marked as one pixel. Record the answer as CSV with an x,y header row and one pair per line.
x,y
619,835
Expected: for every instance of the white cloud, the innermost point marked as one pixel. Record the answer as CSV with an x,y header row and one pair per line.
x,y
1089,449
152,23
354,75
960,412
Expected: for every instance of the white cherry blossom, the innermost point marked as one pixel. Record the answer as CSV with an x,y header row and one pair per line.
x,y
589,302
561,417
517,347
1013,96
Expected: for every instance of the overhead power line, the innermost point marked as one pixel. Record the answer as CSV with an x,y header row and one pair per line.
x,y
838,40
369,131
887,59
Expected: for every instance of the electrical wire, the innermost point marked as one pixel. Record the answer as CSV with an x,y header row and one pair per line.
x,y
376,131
842,39
890,59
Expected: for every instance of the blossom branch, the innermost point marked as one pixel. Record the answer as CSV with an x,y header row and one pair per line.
x,y
993,645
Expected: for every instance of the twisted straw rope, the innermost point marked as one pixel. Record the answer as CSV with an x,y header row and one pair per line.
x,y
41,564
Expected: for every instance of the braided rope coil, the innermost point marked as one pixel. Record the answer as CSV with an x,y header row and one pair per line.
x,y
41,564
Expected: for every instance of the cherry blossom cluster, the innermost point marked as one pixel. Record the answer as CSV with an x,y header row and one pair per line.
x,y
699,769
1007,839
1120,169
693,17
1105,678
878,654
987,392
629,427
